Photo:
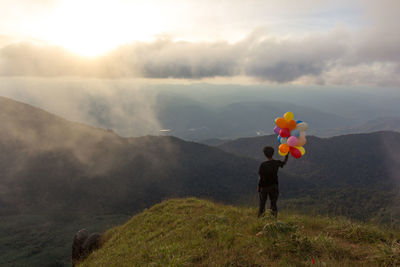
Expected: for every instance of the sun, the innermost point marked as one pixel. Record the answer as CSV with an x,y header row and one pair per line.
x,y
92,28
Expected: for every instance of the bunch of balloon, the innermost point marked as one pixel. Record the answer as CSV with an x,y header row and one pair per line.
x,y
291,135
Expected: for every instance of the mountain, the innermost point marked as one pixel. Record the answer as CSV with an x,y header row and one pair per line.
x,y
338,172
356,159
194,120
201,111
50,160
374,125
194,232
56,174
213,141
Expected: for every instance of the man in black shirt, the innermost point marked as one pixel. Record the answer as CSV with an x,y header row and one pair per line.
x,y
268,181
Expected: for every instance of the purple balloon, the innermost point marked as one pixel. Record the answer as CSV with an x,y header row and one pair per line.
x,y
292,141
277,130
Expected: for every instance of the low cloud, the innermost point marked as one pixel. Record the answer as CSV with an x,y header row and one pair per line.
x,y
287,60
115,104
168,59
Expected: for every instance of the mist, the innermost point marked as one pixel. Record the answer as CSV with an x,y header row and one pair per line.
x,y
119,105
133,107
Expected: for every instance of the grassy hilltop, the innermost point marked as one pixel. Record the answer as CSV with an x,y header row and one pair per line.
x,y
194,232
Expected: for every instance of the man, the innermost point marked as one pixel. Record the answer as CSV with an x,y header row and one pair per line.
x,y
268,181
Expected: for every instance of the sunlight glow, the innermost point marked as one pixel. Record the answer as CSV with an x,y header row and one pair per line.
x,y
91,28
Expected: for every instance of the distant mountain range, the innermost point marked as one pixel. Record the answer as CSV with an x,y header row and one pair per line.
x,y
356,159
57,175
204,111
374,125
193,120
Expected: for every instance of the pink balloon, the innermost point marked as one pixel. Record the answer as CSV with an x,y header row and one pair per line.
x,y
284,132
277,130
292,141
295,152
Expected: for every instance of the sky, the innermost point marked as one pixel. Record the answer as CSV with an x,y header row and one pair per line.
x,y
306,42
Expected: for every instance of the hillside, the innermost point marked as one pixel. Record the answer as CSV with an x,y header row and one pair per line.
x,y
194,232
57,176
48,162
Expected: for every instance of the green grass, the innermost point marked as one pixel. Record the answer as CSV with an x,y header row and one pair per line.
x,y
194,232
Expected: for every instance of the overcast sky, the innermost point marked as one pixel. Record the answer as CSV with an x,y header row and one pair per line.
x,y
299,42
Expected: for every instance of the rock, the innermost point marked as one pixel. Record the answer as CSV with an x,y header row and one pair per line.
x,y
91,243
83,245
79,238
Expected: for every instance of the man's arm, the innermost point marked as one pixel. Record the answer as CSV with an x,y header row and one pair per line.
x,y
285,161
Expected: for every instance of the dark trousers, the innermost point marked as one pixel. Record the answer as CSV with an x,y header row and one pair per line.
x,y
273,193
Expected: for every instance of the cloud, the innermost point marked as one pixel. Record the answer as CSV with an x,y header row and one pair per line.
x,y
287,60
114,104
165,59
369,55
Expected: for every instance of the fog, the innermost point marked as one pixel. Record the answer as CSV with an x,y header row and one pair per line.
x,y
118,105
132,107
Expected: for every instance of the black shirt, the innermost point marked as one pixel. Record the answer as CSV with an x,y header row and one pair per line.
x,y
268,172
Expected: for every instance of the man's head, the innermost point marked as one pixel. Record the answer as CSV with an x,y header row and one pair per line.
x,y
268,152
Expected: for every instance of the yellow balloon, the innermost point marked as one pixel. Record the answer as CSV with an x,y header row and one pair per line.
x,y
289,116
282,154
302,150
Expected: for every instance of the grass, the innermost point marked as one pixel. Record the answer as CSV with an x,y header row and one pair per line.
x,y
194,232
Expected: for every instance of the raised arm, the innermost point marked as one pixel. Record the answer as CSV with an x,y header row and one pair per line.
x,y
285,161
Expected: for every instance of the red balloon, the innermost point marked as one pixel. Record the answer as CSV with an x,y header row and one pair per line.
x,y
284,132
295,152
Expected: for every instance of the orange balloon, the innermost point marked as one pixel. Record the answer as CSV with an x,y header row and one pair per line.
x,y
291,124
284,148
281,123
